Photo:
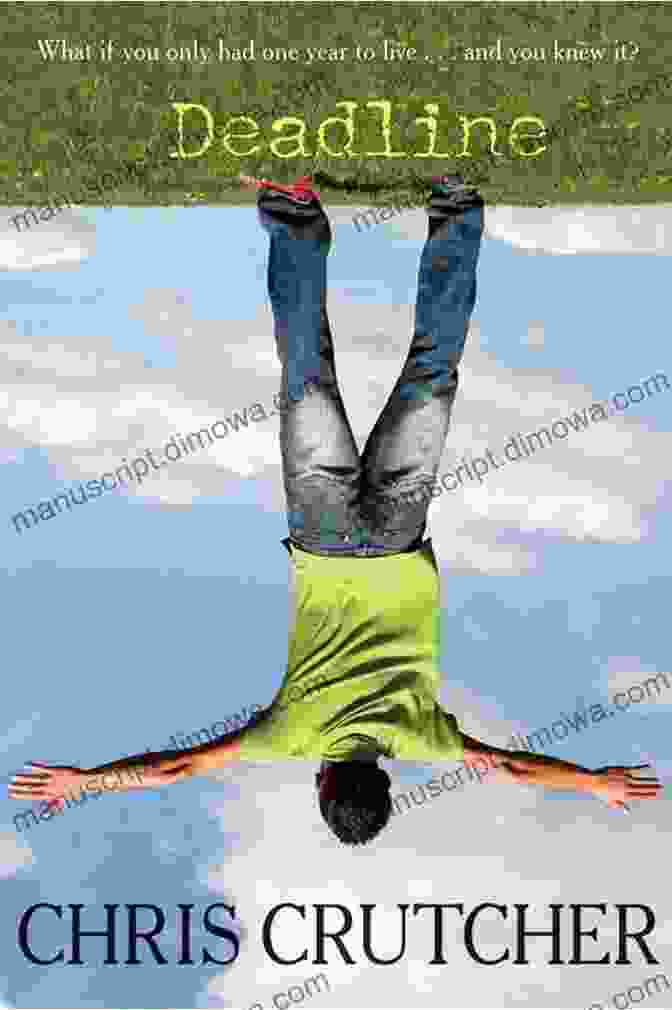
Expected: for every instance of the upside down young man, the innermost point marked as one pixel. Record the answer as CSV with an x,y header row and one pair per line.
x,y
362,675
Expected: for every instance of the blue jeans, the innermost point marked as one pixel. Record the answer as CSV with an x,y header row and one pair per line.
x,y
339,502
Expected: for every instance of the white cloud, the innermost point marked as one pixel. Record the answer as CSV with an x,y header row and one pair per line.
x,y
578,230
63,241
535,334
13,856
642,688
564,230
484,843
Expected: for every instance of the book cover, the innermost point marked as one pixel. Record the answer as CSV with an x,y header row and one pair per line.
x,y
335,408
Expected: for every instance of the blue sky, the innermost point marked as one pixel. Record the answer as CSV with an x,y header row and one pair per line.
x,y
139,615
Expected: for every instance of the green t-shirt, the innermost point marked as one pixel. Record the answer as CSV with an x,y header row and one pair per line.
x,y
363,663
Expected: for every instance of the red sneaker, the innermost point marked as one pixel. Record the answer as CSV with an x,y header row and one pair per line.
x,y
299,192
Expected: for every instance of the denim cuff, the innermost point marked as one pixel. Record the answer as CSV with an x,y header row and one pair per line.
x,y
274,202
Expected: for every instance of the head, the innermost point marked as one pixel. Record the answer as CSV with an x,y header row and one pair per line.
x,y
354,799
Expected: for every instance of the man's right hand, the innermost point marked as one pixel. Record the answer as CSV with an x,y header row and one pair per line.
x,y
52,783
47,782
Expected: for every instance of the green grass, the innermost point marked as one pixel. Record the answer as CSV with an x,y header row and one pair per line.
x,y
64,123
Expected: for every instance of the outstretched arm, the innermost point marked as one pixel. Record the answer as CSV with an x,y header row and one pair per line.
x,y
140,771
613,785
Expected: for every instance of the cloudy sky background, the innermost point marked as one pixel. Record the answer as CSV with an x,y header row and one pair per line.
x,y
140,615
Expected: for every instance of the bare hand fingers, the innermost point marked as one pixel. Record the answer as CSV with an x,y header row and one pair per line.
x,y
37,786
644,784
26,784
31,792
644,794
28,778
30,785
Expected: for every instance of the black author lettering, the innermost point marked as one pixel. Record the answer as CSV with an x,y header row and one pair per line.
x,y
327,930
319,934
143,924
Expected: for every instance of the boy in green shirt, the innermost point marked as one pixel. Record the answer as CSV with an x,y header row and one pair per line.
x,y
362,675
